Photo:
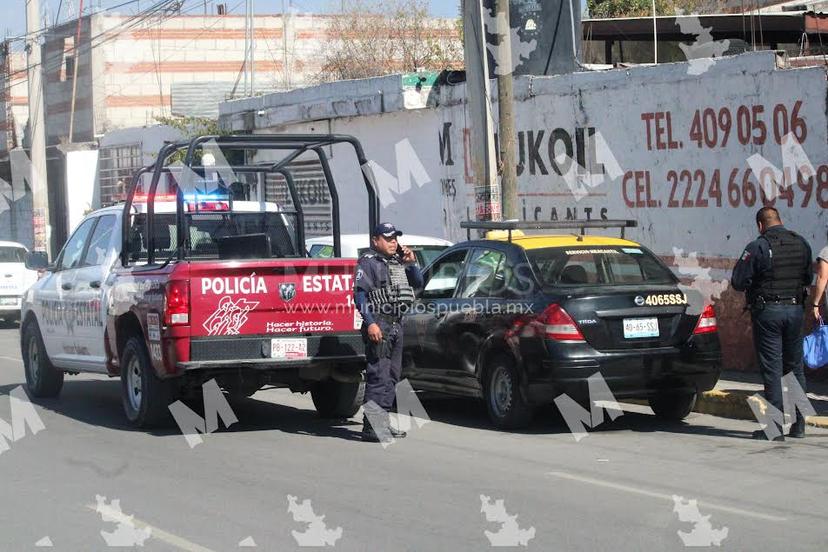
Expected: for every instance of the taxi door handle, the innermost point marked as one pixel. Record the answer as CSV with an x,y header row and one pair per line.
x,y
66,285
95,284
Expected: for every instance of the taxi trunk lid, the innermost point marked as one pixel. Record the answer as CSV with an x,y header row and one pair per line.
x,y
614,318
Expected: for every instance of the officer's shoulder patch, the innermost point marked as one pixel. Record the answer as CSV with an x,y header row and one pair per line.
x,y
359,274
745,255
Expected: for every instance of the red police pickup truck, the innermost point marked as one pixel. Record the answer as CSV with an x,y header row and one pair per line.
x,y
202,275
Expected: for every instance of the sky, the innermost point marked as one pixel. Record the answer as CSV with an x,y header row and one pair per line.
x,y
13,12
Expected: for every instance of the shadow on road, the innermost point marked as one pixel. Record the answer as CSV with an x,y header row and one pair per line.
x,y
471,413
98,403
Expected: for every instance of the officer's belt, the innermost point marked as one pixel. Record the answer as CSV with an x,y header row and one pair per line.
x,y
389,318
779,300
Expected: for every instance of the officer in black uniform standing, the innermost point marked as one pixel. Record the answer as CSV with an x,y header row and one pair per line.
x,y
774,271
385,280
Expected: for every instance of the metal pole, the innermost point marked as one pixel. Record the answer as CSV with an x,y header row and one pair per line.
x,y
37,124
285,68
252,48
506,117
246,43
655,35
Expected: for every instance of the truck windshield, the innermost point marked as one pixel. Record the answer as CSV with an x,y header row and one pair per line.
x,y
591,266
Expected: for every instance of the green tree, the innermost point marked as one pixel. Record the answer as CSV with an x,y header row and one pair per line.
x,y
373,38
601,9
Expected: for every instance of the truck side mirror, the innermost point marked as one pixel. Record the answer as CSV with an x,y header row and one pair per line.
x,y
36,260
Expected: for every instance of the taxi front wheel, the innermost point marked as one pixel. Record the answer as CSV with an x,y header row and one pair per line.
x,y
673,405
506,405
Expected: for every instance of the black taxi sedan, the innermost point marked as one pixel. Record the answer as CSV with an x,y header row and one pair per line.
x,y
518,320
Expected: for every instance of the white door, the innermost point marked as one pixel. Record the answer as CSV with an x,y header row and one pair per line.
x,y
53,298
88,293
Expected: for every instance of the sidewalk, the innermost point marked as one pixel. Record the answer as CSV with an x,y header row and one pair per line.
x,y
732,394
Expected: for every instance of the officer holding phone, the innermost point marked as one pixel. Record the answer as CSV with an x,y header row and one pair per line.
x,y
385,280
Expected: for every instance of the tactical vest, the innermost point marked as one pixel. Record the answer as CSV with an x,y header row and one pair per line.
x,y
788,257
394,297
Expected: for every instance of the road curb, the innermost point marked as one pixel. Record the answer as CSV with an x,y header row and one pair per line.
x,y
735,403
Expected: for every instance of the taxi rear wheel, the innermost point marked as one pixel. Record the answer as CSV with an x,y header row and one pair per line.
x,y
673,405
43,380
504,401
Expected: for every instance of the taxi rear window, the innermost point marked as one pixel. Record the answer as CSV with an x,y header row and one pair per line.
x,y
573,266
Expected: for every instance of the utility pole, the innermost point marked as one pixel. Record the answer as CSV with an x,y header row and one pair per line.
x,y
506,117
37,177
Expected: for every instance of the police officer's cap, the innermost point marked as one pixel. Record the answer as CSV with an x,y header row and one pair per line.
x,y
386,229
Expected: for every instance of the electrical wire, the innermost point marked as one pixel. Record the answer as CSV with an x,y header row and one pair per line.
x,y
43,31
176,50
113,33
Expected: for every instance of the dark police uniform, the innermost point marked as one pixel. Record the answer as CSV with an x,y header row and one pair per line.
x,y
773,271
383,290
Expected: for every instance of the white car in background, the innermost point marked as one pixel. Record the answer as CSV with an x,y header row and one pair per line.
x,y
425,248
15,278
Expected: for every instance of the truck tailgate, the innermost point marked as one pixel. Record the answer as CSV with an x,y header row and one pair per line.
x,y
284,296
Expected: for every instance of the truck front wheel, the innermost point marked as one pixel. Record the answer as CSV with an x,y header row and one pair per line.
x,y
334,399
145,396
43,380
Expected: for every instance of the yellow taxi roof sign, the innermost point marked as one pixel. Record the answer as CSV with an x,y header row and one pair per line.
x,y
570,240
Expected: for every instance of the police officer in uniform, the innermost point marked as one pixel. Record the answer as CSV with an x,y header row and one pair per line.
x,y
774,271
384,285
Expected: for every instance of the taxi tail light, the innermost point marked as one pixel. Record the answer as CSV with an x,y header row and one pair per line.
x,y
177,311
707,321
558,325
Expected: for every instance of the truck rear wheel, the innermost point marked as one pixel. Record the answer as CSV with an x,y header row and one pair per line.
x,y
43,380
144,395
335,399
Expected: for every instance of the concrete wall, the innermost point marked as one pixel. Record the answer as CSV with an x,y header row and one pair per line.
x,y
640,158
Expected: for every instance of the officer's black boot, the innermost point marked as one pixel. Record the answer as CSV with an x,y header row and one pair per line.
x,y
760,435
396,433
368,433
379,431
797,430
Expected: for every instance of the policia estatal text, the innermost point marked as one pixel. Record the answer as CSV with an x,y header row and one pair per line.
x,y
384,286
774,271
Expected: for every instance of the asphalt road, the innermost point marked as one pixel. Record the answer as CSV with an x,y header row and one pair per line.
x,y
611,491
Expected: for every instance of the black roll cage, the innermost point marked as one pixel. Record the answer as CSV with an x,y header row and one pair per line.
x,y
295,144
